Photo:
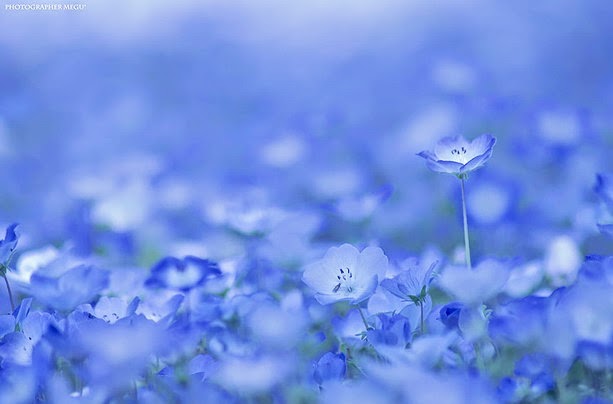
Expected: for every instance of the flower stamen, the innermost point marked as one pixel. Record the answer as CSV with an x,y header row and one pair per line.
x,y
344,278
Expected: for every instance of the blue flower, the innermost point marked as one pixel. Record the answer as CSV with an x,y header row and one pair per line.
x,y
520,322
77,285
330,367
202,366
183,275
455,155
450,314
8,244
476,286
346,274
411,284
393,330
111,309
604,189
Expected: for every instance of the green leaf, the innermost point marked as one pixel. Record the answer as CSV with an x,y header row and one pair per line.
x,y
414,299
422,294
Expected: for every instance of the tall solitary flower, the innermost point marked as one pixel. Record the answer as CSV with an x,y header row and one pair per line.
x,y
346,274
455,155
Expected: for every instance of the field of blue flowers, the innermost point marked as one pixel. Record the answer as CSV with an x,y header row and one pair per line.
x,y
307,202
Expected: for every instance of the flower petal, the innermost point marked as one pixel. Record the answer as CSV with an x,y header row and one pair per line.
x,y
345,256
476,162
319,277
441,166
324,298
478,285
443,147
371,260
482,144
366,290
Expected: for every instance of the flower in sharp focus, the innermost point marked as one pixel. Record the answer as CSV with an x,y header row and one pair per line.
x,y
183,275
346,274
456,155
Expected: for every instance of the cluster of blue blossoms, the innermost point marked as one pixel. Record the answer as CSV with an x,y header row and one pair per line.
x,y
322,202
271,316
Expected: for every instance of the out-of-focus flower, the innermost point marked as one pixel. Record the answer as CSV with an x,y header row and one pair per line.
x,y
524,279
346,274
587,306
476,286
491,201
78,285
111,309
8,244
31,261
417,384
250,213
350,327
604,189
183,275
276,327
455,155
536,368
356,391
359,208
562,260
116,353
161,306
265,372
391,330
202,366
289,242
450,314
330,367
557,127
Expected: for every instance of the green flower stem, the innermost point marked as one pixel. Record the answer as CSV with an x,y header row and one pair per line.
x,y
363,319
466,240
421,310
8,288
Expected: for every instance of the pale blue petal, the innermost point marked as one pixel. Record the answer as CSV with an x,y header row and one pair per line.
x,y
371,261
441,166
367,290
345,256
319,278
443,147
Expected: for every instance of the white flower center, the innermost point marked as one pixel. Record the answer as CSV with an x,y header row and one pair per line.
x,y
345,281
459,155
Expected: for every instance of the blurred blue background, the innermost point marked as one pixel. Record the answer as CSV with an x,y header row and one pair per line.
x,y
136,129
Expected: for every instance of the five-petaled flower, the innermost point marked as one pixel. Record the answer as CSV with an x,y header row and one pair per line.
x,y
346,274
455,155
